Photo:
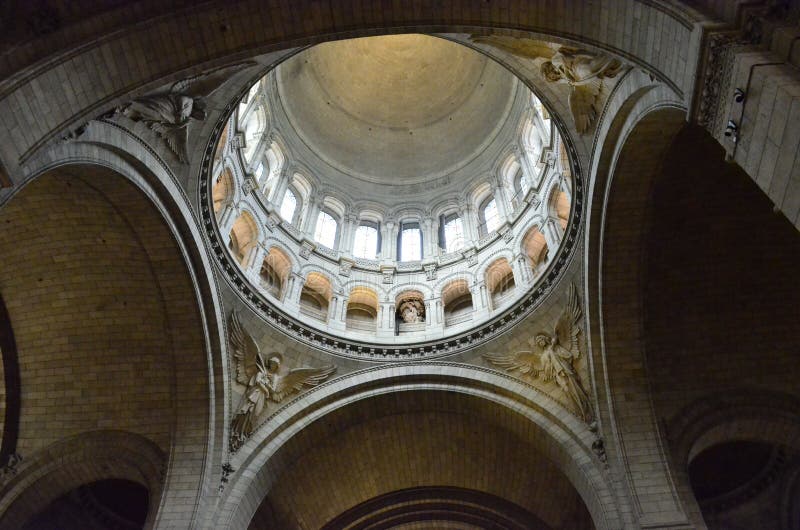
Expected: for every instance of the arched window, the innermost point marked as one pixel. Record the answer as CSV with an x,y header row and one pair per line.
x,y
410,242
366,241
288,206
490,218
453,233
326,230
259,172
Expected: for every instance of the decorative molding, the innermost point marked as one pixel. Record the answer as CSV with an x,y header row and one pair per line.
x,y
430,271
388,273
306,248
345,265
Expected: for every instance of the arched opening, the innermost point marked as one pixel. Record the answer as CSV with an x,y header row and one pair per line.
x,y
489,216
559,207
243,239
457,303
366,241
425,429
275,272
108,503
362,310
534,246
499,279
410,312
120,263
315,296
222,192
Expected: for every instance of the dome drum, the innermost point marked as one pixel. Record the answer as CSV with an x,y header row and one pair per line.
x,y
467,256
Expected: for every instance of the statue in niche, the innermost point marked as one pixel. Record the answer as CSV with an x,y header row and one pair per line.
x,y
265,379
554,360
168,112
582,70
412,311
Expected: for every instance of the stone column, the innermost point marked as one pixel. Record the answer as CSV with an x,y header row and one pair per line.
x,y
255,258
348,233
521,270
310,222
391,240
276,196
429,236
470,220
501,200
227,217
552,235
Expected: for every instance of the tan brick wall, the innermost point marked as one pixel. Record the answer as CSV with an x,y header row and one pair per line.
x,y
87,313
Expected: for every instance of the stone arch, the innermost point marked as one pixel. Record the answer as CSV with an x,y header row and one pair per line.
x,y
743,414
631,157
363,309
534,247
561,438
276,269
154,206
500,281
79,460
558,205
223,191
244,238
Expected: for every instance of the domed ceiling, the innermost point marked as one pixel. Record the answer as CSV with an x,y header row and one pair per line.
x,y
395,109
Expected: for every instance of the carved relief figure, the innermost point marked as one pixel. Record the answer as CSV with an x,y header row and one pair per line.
x,y
265,380
582,70
169,112
554,361
412,311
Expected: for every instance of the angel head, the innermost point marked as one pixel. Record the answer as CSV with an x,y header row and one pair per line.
x,y
543,340
198,109
551,72
274,362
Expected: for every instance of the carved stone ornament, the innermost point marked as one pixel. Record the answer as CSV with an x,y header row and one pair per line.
x,y
249,185
388,274
472,257
265,379
582,70
10,469
430,271
554,359
75,133
344,267
306,248
169,112
227,469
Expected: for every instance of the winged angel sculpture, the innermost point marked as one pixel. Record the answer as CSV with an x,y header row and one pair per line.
x,y
553,362
265,379
168,112
582,70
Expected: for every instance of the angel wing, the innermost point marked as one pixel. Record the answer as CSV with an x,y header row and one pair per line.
x,y
207,83
298,379
521,47
177,139
526,362
582,100
245,351
568,325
